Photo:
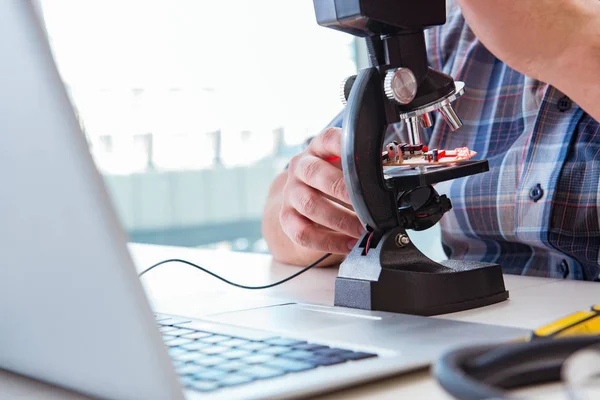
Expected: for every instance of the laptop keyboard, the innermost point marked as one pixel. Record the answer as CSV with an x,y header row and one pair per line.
x,y
206,360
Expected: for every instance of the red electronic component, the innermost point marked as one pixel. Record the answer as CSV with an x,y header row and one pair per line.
x,y
421,155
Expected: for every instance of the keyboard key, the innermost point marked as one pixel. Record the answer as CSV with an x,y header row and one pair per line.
x,y
197,335
276,350
233,380
235,353
299,354
179,322
209,361
210,350
285,342
193,356
165,329
203,386
260,372
234,342
186,380
195,346
215,339
332,352
178,342
190,369
358,356
176,351
289,365
230,331
179,332
253,346
211,374
257,358
232,366
310,347
168,337
324,361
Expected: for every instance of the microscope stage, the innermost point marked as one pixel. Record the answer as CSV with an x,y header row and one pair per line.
x,y
406,177
414,155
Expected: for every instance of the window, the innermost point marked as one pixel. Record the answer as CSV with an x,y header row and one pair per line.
x,y
192,107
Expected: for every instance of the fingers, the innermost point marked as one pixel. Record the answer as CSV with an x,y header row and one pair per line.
x,y
316,211
315,207
320,175
327,144
306,234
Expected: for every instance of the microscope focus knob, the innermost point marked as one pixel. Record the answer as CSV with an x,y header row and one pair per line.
x,y
400,85
346,87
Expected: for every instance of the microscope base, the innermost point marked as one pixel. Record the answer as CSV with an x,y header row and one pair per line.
x,y
464,285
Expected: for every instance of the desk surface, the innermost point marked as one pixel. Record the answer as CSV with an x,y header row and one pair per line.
x,y
180,289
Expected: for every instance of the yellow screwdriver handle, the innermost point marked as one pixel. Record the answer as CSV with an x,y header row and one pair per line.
x,y
577,324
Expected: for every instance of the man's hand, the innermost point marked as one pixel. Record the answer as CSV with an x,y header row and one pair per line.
x,y
308,212
316,212
554,41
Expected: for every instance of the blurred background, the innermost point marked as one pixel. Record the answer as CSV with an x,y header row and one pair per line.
x,y
192,107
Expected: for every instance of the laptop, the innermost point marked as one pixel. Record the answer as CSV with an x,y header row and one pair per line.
x,y
74,313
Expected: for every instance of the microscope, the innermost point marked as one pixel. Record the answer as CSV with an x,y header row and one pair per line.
x,y
385,271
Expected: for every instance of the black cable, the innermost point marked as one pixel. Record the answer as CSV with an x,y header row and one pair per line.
x,y
233,283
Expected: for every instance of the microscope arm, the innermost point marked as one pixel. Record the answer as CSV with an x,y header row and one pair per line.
x,y
361,154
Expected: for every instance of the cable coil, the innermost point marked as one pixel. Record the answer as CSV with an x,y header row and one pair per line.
x,y
488,372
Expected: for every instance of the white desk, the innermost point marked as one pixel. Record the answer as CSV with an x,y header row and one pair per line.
x,y
180,289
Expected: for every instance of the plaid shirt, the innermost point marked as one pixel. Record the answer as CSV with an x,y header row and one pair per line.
x,y
537,211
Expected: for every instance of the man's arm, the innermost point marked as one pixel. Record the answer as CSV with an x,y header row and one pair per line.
x,y
554,41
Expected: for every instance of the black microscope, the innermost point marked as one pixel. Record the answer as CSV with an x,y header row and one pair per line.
x,y
385,271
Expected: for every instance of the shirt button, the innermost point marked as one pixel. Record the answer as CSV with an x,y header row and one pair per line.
x,y
536,192
563,268
564,104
